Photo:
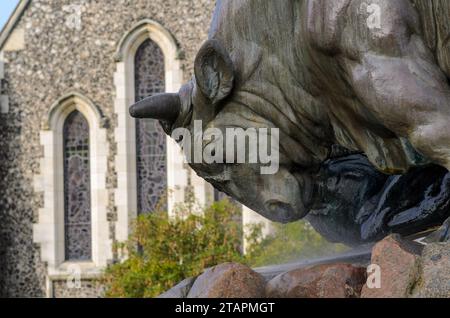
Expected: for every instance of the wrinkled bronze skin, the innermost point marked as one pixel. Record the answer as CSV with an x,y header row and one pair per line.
x,y
330,77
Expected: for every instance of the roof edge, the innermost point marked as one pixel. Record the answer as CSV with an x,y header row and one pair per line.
x,y
12,21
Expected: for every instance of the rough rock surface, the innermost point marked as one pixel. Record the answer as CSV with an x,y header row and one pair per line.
x,y
323,281
434,280
398,262
228,280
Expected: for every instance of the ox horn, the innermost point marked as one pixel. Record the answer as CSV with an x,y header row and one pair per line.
x,y
164,107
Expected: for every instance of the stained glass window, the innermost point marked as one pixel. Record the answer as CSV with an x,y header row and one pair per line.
x,y
150,137
77,189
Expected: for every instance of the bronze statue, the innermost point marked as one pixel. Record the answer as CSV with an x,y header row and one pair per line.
x,y
360,91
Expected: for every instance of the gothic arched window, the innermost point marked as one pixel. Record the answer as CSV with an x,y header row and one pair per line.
x,y
150,137
77,189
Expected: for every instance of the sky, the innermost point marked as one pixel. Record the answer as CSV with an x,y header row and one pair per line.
x,y
6,8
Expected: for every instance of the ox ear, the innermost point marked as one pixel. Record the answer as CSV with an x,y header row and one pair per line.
x,y
214,71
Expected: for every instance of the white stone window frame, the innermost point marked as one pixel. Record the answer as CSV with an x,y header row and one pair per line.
x,y
49,231
125,131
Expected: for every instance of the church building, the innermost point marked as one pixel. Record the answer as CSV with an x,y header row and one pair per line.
x,y
75,168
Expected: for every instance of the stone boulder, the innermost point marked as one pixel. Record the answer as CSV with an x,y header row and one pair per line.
x,y
434,279
228,280
398,262
321,281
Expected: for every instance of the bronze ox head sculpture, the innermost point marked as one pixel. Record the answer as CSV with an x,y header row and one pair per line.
x,y
360,95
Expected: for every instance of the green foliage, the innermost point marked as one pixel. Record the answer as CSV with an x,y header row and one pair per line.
x,y
291,242
172,249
